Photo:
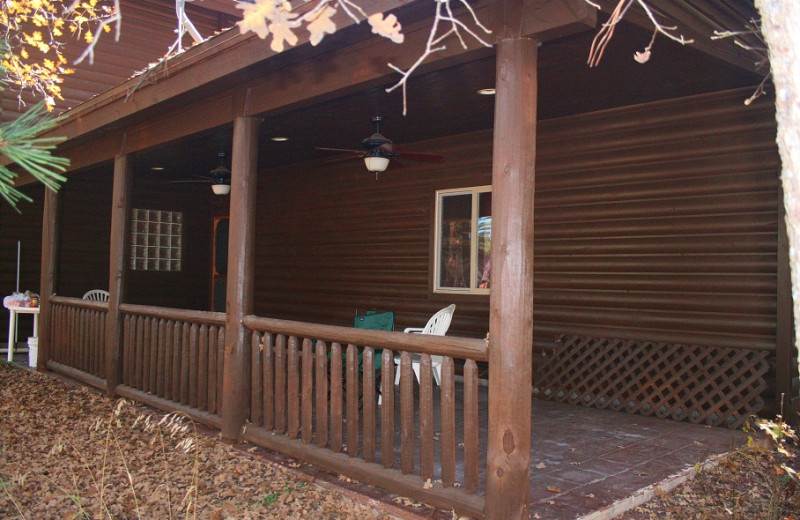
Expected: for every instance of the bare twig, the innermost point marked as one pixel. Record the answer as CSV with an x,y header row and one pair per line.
x,y
115,17
444,14
604,35
761,53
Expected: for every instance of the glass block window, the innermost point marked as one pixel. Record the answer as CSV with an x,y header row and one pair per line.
x,y
156,240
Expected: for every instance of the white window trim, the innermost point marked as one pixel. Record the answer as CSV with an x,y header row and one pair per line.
x,y
475,191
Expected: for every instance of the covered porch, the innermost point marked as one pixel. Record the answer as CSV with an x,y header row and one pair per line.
x,y
657,222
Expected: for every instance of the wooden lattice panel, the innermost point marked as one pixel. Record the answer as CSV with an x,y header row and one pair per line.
x,y
710,385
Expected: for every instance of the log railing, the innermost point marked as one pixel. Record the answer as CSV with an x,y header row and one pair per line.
x,y
173,359
77,332
315,395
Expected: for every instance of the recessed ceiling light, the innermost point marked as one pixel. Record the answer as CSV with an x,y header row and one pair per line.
x,y
486,92
157,168
280,139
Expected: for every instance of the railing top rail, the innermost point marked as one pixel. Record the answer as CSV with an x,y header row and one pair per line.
x,y
168,313
462,348
79,302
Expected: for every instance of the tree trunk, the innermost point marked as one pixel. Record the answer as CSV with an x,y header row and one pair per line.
x,y
781,29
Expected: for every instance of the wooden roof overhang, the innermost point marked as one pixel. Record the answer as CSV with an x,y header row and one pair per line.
x,y
233,74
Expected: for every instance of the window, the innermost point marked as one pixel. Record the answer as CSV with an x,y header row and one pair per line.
x,y
156,240
463,240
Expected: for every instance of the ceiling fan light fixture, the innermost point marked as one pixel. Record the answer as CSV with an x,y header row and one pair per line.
x,y
221,189
376,163
487,92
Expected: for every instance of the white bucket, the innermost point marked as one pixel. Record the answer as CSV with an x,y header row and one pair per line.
x,y
33,351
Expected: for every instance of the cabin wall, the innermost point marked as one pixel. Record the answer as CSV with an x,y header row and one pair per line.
x,y
189,288
85,228
656,222
25,227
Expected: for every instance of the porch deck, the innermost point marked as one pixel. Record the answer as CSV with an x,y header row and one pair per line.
x,y
584,460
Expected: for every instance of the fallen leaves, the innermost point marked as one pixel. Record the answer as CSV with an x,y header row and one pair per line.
x,y
73,453
744,485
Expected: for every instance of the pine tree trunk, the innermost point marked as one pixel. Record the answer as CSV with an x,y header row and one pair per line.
x,y
781,29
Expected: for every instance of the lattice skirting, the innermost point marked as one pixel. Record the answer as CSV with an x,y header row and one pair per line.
x,y
709,385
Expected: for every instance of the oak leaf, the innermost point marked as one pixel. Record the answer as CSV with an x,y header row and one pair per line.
x,y
387,27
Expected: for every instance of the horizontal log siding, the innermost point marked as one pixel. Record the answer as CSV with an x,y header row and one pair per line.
x,y
26,227
84,231
652,222
85,228
659,222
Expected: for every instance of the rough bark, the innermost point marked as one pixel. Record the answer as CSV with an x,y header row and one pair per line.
x,y
781,29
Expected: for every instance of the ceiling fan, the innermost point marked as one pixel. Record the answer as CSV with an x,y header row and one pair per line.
x,y
377,151
219,177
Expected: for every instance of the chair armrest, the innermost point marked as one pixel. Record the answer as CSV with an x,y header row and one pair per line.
x,y
413,330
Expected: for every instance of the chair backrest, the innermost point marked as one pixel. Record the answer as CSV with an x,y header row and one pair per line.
x,y
96,295
440,322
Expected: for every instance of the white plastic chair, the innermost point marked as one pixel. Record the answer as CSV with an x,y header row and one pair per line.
x,y
96,295
436,326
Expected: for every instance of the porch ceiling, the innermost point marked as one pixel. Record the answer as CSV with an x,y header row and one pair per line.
x,y
445,102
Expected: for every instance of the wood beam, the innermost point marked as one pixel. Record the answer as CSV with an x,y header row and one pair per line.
x,y
239,297
511,300
117,286
47,277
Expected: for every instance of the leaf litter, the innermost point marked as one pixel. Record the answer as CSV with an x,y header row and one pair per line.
x,y
756,482
70,453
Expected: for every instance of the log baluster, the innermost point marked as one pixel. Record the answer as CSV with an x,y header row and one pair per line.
x,y
387,409
352,401
448,422
425,418
336,397
293,387
322,393
368,403
307,392
471,426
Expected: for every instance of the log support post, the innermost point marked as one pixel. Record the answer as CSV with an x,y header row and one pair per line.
x,y
48,276
239,296
511,300
117,286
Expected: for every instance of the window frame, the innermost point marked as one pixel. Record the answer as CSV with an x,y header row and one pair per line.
x,y
475,192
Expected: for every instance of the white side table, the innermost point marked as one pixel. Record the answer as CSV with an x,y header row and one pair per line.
x,y
12,326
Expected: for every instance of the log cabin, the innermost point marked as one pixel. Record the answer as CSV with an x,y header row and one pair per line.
x,y
638,256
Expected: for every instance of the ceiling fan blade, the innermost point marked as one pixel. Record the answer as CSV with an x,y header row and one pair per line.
x,y
394,162
419,156
357,152
341,158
